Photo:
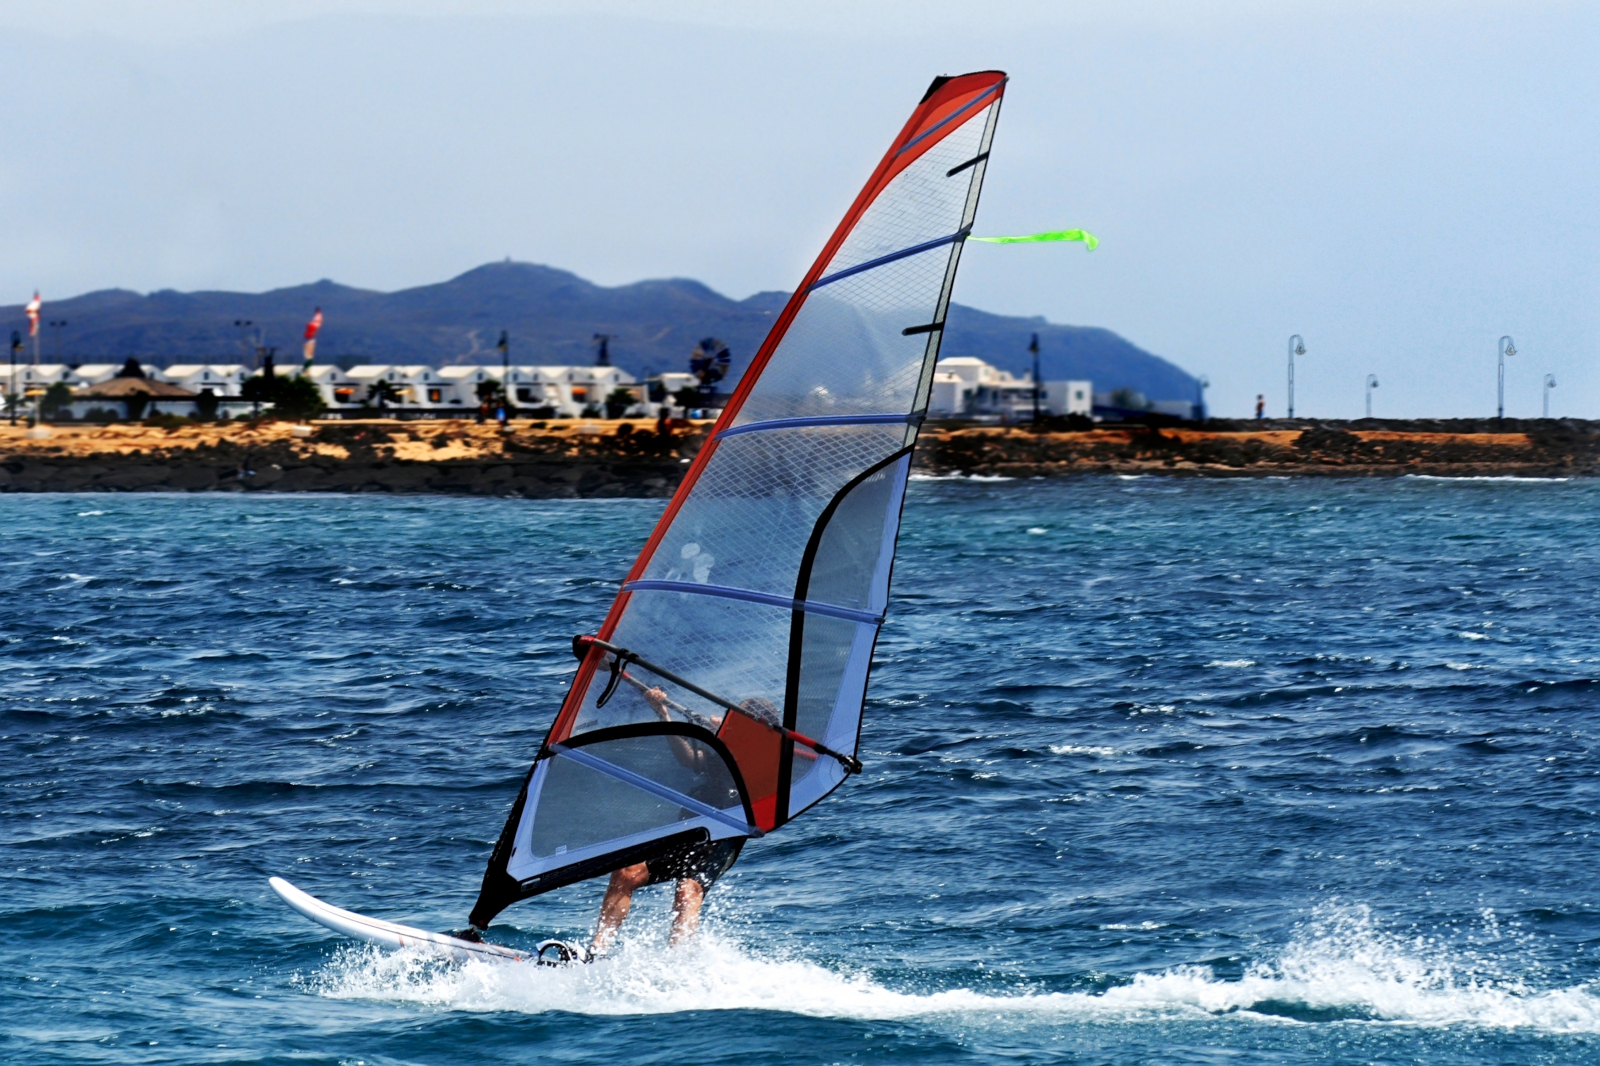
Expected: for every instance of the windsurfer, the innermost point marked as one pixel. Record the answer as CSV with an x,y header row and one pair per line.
x,y
695,867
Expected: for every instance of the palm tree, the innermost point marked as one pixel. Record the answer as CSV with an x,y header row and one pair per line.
x,y
381,392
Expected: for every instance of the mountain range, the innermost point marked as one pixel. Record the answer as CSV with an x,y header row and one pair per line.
x,y
552,317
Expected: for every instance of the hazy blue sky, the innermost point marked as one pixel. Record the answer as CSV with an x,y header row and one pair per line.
x,y
1400,183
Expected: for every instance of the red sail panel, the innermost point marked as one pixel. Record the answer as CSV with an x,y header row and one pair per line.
x,y
754,607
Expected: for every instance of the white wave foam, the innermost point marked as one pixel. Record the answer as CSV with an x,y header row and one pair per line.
x,y
1338,968
961,477
1232,663
1481,477
1079,749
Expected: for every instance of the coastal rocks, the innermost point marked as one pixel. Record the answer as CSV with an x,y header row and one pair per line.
x,y
536,461
597,460
1364,449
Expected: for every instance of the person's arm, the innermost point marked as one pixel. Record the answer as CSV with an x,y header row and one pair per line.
x,y
686,753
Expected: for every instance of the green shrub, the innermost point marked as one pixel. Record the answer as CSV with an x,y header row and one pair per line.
x,y
618,403
54,399
290,397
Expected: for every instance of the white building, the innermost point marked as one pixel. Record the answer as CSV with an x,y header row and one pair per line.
x,y
223,379
956,382
567,391
94,373
1069,398
968,387
460,383
591,385
361,380
541,386
965,386
29,378
335,385
420,386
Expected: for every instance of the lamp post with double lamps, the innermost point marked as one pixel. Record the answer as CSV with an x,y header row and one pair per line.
x,y
244,325
1549,383
1506,349
1296,347
61,348
1372,383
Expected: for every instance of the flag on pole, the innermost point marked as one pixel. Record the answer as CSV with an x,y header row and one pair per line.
x,y
33,314
311,336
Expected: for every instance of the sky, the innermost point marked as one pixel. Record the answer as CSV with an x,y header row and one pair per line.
x,y
1399,183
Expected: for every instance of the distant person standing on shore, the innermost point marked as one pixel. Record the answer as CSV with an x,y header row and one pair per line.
x,y
1261,407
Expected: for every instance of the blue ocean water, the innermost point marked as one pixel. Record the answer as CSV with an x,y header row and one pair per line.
x,y
1158,771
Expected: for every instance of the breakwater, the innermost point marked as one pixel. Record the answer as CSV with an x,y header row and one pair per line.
x,y
626,458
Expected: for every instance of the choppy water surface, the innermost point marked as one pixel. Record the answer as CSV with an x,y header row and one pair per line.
x,y
1157,771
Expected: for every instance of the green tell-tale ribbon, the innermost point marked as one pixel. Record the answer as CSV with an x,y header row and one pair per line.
x,y
1089,239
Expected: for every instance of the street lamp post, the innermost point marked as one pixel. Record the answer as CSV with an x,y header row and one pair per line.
x,y
1372,383
1506,348
243,325
12,399
505,370
1296,347
1549,383
1033,346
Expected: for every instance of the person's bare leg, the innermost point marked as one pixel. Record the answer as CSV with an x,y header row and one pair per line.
x,y
686,909
614,908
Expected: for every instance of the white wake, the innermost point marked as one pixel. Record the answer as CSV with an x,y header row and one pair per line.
x,y
1339,970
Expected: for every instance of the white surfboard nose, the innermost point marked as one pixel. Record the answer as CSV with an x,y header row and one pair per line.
x,y
389,934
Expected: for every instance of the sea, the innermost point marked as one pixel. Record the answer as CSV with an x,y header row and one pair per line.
x,y
1156,771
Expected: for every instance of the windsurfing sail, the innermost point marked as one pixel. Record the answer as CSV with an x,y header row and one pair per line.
x,y
723,694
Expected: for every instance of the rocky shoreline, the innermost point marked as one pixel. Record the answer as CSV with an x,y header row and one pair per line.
x,y
628,459
1300,448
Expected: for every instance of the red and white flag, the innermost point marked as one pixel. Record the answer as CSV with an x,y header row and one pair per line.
x,y
33,314
311,336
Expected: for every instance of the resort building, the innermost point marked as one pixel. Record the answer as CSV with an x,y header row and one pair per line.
x,y
25,377
94,373
221,379
129,395
967,387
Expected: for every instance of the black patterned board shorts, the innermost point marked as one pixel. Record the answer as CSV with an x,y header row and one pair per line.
x,y
704,861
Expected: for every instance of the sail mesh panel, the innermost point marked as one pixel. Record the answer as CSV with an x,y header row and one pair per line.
x,y
922,203
755,504
580,811
737,649
846,352
851,567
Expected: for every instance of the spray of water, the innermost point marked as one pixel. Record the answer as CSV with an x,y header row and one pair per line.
x,y
1338,968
